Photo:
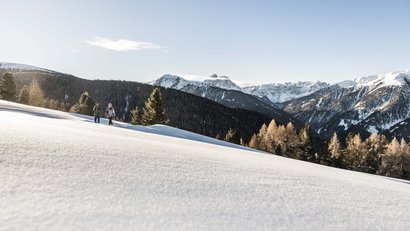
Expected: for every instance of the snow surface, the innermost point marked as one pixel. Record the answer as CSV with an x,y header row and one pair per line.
x,y
397,78
21,67
59,171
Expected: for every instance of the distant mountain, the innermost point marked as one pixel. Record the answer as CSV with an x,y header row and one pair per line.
x,y
274,92
222,90
278,92
369,104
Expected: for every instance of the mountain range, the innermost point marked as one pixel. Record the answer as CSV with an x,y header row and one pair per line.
x,y
371,104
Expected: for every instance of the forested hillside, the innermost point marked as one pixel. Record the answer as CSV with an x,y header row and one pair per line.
x,y
185,111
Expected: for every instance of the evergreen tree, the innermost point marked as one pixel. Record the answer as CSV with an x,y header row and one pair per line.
x,y
7,87
154,112
85,105
336,155
36,95
136,116
233,136
24,96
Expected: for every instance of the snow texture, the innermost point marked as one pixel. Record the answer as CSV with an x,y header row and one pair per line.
x,y
21,67
60,171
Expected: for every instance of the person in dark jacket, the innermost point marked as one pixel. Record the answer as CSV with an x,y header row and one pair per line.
x,y
97,112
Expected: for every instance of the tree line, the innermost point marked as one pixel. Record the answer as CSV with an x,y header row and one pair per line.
x,y
31,94
375,155
152,113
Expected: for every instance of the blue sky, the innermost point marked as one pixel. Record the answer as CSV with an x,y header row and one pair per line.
x,y
250,41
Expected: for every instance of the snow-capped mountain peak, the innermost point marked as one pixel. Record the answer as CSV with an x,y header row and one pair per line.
x,y
398,78
179,81
275,92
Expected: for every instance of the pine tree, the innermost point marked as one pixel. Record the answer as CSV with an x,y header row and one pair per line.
x,y
7,87
336,155
233,136
136,116
24,96
36,95
154,112
85,105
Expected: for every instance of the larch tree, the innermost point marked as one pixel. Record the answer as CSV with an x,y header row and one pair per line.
x,y
391,165
24,96
154,111
262,136
254,142
36,95
335,150
305,149
270,137
375,146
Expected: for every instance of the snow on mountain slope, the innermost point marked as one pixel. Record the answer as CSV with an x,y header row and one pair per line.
x,y
398,78
278,93
21,67
179,82
372,104
60,172
275,92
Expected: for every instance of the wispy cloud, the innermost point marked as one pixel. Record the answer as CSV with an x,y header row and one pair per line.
x,y
122,44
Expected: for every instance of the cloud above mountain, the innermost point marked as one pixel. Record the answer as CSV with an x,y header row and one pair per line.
x,y
122,44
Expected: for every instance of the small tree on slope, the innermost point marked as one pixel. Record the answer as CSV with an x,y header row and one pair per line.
x,y
24,96
36,95
233,136
85,105
154,112
7,87
136,116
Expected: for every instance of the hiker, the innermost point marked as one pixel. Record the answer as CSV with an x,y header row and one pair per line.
x,y
110,113
97,112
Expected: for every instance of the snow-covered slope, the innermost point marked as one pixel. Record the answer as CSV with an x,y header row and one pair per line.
x,y
62,172
21,67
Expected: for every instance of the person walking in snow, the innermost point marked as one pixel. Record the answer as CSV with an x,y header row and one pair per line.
x,y
97,112
110,113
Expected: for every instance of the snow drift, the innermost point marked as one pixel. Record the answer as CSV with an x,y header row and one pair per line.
x,y
59,171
